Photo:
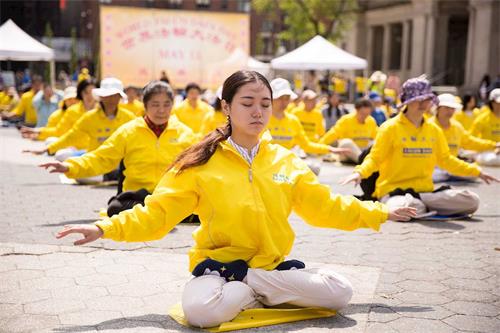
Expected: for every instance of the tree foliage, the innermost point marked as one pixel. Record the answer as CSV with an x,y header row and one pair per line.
x,y
305,19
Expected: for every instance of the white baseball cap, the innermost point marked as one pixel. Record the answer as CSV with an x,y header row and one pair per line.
x,y
281,87
218,92
109,86
449,100
69,92
495,95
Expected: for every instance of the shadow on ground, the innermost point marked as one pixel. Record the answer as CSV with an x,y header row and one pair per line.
x,y
341,320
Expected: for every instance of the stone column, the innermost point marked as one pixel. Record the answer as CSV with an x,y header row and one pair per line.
x,y
478,42
405,44
386,52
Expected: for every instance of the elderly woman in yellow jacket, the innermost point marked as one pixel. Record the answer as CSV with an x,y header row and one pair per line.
x,y
405,152
147,145
244,188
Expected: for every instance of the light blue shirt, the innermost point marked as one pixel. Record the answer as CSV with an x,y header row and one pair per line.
x,y
43,108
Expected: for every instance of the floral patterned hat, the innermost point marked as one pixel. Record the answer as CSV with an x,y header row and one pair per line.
x,y
416,89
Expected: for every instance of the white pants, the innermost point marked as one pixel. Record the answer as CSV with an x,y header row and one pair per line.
x,y
488,158
447,202
355,150
440,176
209,300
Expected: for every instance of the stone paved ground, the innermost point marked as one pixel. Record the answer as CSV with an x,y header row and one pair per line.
x,y
410,277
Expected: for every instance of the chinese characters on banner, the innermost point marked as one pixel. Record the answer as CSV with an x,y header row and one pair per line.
x,y
203,47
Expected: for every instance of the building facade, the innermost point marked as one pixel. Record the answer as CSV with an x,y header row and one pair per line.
x,y
453,42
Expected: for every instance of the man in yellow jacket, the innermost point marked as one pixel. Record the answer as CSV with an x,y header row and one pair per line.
x,y
355,131
456,136
96,125
405,152
25,111
192,111
310,116
147,145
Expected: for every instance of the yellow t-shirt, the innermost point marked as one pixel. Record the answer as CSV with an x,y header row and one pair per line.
x,y
312,122
457,137
288,132
466,118
487,126
25,107
349,127
192,117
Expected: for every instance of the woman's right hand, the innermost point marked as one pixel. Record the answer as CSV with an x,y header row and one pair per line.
x,y
36,152
55,167
91,232
355,178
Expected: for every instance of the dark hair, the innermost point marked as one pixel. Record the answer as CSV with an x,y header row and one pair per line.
x,y
192,85
363,103
82,85
217,105
156,87
201,152
466,99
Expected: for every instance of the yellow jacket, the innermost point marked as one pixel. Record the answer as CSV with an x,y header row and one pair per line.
x,y
93,125
349,127
312,122
466,119
243,208
406,156
487,126
212,120
192,117
288,132
54,118
457,137
136,107
145,156
25,107
68,119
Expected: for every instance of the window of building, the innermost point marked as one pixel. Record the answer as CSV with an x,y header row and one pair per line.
x,y
396,41
267,26
175,3
410,44
202,3
243,6
377,46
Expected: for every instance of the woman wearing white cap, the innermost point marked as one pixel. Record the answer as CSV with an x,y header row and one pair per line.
x,y
487,126
286,128
456,136
96,125
69,99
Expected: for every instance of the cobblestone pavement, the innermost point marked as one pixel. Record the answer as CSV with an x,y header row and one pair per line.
x,y
410,277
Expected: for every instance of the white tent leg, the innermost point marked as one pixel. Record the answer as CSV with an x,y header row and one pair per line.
x,y
52,73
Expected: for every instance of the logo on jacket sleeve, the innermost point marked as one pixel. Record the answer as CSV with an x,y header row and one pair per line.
x,y
281,178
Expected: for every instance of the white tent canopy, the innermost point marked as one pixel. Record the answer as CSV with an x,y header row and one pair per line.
x,y
15,44
318,54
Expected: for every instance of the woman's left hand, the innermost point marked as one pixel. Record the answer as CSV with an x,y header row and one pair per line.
x,y
487,178
402,214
